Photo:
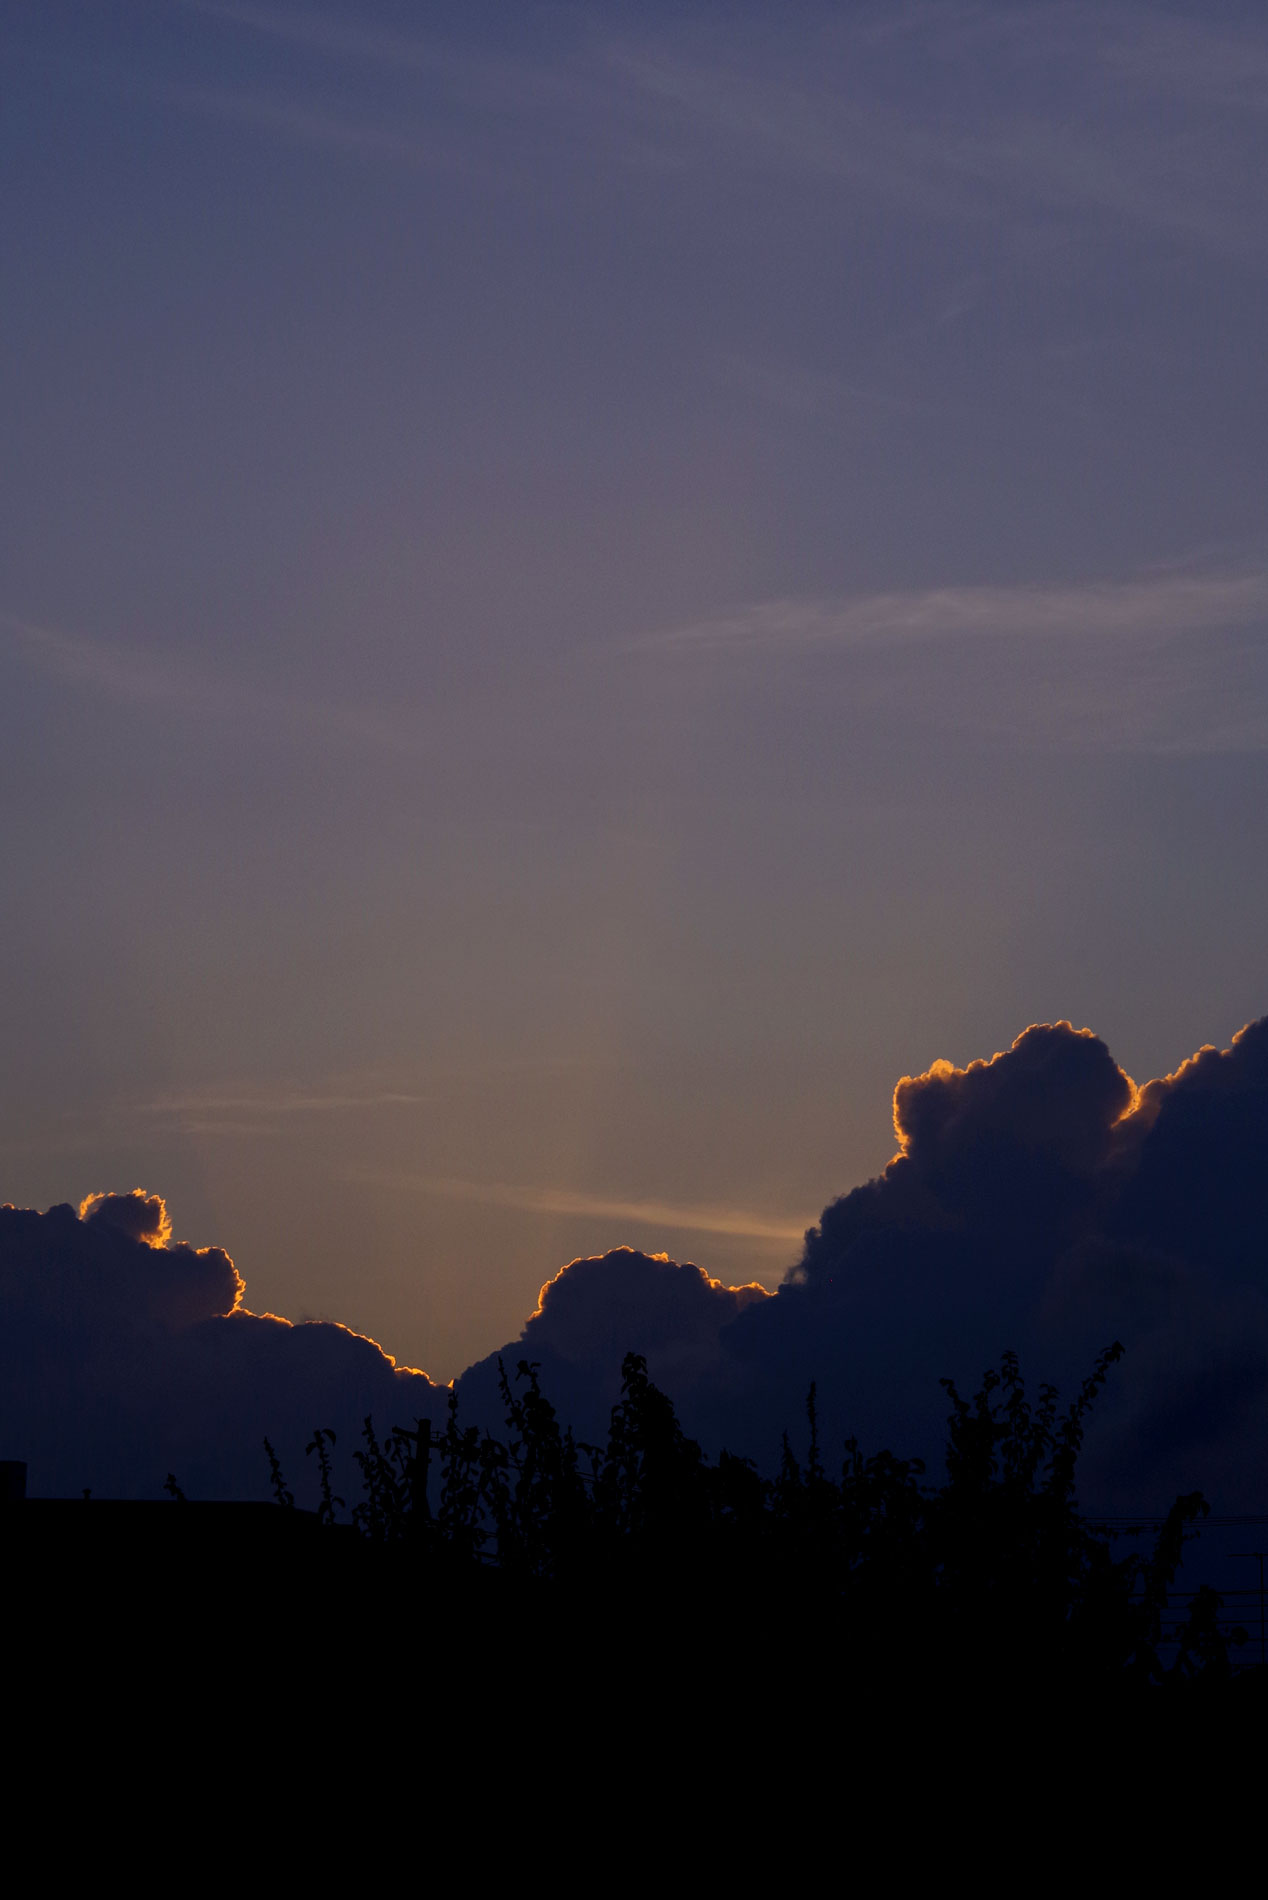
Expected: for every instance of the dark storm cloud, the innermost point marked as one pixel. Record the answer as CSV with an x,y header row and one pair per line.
x,y
124,1355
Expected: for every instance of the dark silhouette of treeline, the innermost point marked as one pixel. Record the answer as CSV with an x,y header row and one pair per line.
x,y
638,1580
864,1569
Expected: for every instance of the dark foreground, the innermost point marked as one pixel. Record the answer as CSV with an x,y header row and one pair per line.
x,y
638,1576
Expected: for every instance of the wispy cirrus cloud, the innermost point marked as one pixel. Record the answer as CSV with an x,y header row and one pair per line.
x,y
1170,663
311,125
1159,606
119,671
264,1100
251,1109
148,676
736,1223
232,1110
318,32
888,103
884,102
403,124
804,392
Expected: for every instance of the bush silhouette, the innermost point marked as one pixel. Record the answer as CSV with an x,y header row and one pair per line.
x,y
990,1572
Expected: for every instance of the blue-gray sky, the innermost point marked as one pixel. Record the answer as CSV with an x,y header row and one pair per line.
x,y
581,589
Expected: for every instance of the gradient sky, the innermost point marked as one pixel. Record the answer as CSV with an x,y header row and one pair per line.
x,y
582,588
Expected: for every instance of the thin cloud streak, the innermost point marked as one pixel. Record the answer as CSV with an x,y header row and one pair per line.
x,y
1120,162
737,1223
1158,608
232,1111
154,679
811,394
642,99
318,33
274,1102
496,86
238,1110
306,125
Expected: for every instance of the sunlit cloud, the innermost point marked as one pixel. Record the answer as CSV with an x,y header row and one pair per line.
x,y
737,1223
161,1351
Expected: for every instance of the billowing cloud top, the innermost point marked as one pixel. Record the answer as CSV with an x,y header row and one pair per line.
x,y
143,1216
595,1310
1199,1186
1052,1140
1056,1092
625,1301
124,1355
1039,1201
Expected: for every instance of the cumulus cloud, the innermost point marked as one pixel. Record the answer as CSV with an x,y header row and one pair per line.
x,y
1199,1183
124,1355
143,1216
1039,1200
1057,1093
635,1301
597,1309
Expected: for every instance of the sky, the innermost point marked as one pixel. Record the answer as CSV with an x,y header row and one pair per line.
x,y
582,589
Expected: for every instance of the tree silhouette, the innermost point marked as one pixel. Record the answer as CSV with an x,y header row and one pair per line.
x,y
993,1571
